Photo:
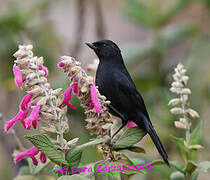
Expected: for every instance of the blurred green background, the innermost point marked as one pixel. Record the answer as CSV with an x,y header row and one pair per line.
x,y
154,36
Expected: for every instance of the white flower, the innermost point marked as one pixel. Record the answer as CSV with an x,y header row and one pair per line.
x,y
176,110
177,84
175,90
72,143
193,113
196,146
186,91
184,98
184,79
180,124
174,102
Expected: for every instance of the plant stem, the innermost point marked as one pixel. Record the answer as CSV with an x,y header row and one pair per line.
x,y
187,134
187,176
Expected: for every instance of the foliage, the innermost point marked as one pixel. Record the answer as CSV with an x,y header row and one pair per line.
x,y
149,62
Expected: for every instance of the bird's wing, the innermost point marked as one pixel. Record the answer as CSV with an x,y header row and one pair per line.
x,y
129,93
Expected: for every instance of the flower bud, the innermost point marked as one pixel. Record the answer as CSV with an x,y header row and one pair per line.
x,y
177,84
180,66
196,146
57,92
184,98
174,102
184,79
47,116
181,125
72,143
39,61
84,88
36,91
175,90
42,101
176,110
186,91
193,113
183,120
33,66
75,69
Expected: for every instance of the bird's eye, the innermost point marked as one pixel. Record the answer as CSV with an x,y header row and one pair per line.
x,y
104,45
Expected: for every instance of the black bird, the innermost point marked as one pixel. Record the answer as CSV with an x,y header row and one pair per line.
x,y
114,82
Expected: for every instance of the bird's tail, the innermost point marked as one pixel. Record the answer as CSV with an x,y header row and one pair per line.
x,y
158,143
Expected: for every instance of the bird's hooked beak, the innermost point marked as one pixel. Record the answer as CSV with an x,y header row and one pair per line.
x,y
91,45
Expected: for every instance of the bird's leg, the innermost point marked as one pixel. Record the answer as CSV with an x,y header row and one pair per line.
x,y
122,126
121,116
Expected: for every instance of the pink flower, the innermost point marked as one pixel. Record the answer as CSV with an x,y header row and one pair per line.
x,y
75,88
18,76
34,124
21,115
91,106
42,158
24,103
32,152
131,124
94,98
43,68
67,98
24,108
60,64
32,118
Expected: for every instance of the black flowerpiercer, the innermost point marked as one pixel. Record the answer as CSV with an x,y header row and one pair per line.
x,y
114,82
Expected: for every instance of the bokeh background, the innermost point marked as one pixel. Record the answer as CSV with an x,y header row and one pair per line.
x,y
154,36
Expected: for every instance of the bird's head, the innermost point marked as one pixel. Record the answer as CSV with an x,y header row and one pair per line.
x,y
104,49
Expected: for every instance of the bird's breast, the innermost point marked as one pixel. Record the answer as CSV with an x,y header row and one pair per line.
x,y
108,86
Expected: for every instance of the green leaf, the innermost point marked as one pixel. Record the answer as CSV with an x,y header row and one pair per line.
x,y
44,145
131,136
204,166
178,166
177,176
73,177
107,170
157,162
126,161
191,167
180,144
175,164
195,136
134,148
160,169
73,156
